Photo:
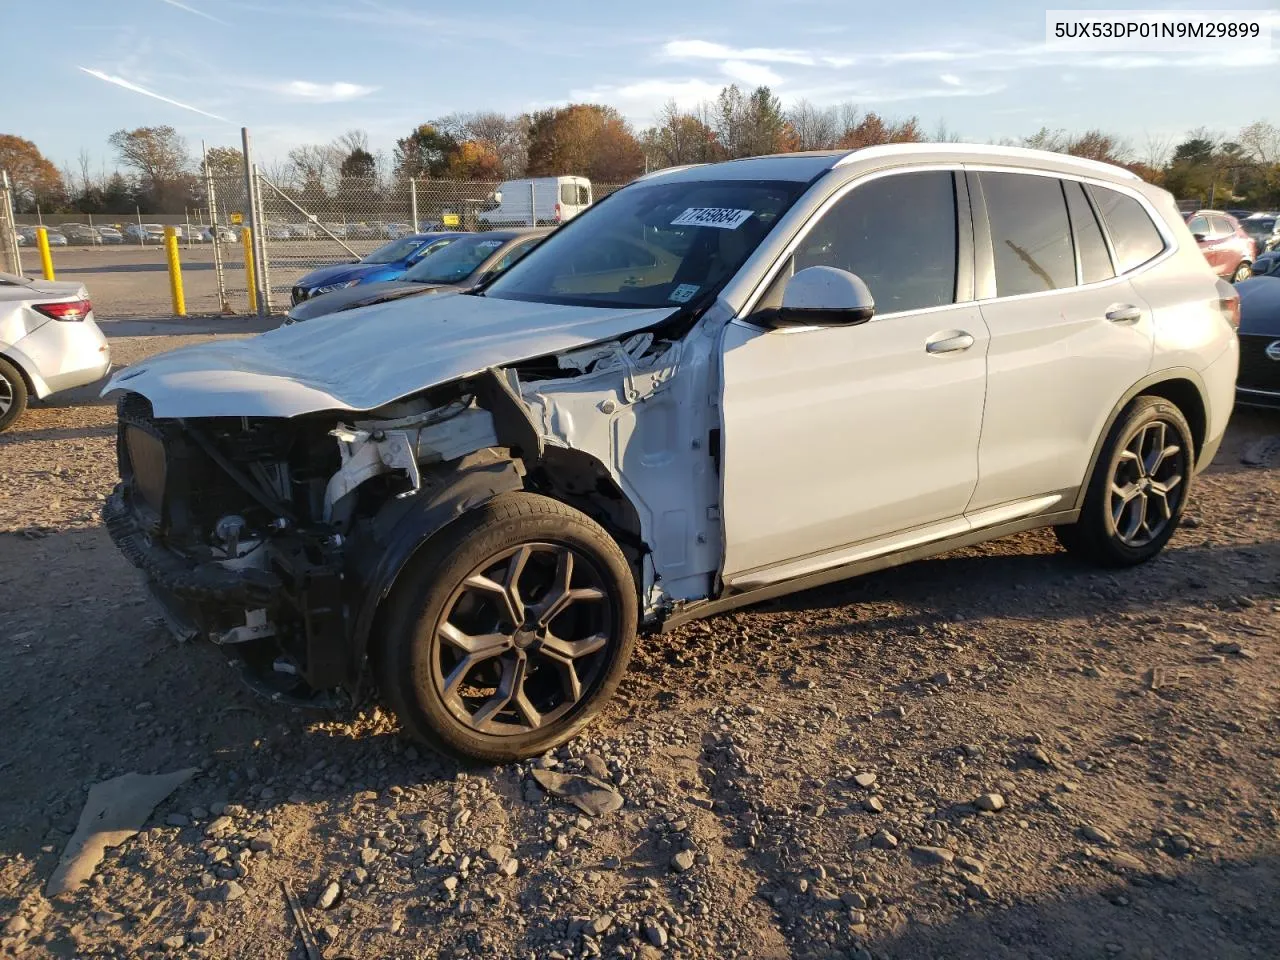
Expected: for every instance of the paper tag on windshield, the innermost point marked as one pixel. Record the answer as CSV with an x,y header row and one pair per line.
x,y
683,293
489,244
722,218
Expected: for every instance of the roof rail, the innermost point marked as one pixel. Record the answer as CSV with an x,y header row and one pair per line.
x,y
989,149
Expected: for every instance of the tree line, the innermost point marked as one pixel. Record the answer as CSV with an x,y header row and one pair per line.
x,y
157,172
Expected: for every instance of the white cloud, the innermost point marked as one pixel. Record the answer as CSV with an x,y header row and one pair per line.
x,y
752,74
128,85
860,94
950,78
705,50
642,98
336,92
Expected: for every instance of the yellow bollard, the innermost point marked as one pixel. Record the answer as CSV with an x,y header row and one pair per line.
x,y
175,272
246,241
46,260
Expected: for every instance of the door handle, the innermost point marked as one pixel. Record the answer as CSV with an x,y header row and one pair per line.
x,y
1124,313
950,341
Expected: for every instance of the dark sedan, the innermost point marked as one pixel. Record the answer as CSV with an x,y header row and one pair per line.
x,y
467,262
1258,383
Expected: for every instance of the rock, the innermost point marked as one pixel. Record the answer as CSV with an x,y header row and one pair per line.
x,y
359,876
16,926
854,900
228,892
367,856
1124,862
865,780
176,942
177,820
599,925
1041,758
933,856
497,852
1095,835
263,843
200,936
655,933
884,840
509,867
450,884
873,805
682,861
990,802
586,793
219,826
596,766
970,865
329,896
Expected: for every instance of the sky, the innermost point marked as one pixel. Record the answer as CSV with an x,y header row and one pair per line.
x,y
304,71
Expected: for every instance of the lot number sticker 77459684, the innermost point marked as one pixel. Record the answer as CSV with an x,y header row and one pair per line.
x,y
722,218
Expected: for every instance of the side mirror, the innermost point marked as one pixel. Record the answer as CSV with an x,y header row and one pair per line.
x,y
1199,237
825,297
496,196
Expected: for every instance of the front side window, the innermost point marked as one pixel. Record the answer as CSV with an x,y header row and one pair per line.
x,y
652,244
1030,236
898,233
395,250
1221,227
1095,262
514,254
1134,238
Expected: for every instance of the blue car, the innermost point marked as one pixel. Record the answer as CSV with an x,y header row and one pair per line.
x,y
388,262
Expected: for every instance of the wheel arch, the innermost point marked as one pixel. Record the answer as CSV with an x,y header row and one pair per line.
x,y
1181,386
36,387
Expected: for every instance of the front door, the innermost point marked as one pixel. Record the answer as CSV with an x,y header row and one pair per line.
x,y
833,436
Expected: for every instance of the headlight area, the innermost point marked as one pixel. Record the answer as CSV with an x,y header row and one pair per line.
x,y
219,514
329,288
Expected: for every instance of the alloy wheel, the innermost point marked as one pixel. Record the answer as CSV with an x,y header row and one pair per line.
x,y
523,639
6,395
1147,484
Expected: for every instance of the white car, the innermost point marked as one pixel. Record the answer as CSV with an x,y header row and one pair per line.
x,y
728,383
48,342
144,232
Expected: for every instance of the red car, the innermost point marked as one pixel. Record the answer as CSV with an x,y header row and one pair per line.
x,y
1229,250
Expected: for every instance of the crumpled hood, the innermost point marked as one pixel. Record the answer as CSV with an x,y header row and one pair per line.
x,y
358,296
341,272
1260,306
393,350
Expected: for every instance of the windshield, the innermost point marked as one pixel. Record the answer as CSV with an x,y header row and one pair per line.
x,y
1259,226
652,244
395,250
457,261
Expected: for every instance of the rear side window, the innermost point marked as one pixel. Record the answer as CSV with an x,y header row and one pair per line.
x,y
1134,238
1095,262
568,193
898,233
1221,227
1199,225
1030,234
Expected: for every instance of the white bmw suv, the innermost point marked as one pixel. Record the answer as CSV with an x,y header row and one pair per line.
x,y
721,383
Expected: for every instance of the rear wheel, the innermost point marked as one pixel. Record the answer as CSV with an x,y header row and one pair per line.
x,y
1139,487
13,394
510,630
1243,272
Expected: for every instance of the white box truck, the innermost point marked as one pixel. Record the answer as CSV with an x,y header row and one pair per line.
x,y
544,201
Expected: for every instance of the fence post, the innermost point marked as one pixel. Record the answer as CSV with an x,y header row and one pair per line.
x,y
413,202
212,198
175,271
257,302
246,241
264,261
533,205
46,261
10,253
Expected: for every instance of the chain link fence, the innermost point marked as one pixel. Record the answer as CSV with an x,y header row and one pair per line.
x,y
10,256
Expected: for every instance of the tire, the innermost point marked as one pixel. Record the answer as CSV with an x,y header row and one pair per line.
x,y
13,394
1135,498
1243,271
452,649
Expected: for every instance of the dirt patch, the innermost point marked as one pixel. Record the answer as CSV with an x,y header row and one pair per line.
x,y
801,779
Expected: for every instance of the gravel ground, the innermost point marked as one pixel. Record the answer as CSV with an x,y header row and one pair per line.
x,y
993,754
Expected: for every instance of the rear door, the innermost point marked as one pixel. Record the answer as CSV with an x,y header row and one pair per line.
x,y
1069,336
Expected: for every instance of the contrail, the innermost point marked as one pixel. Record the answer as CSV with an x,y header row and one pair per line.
x,y
122,82
198,13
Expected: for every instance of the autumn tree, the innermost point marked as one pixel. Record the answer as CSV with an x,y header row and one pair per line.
x,y
872,130
506,135
35,179
224,162
424,152
359,164
753,124
583,139
159,158
678,138
815,128
474,160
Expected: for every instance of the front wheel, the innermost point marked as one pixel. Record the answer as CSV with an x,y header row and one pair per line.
x,y
510,630
1138,489
1243,272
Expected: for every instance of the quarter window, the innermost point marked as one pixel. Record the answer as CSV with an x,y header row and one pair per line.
x,y
1095,262
1134,238
1030,235
898,233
